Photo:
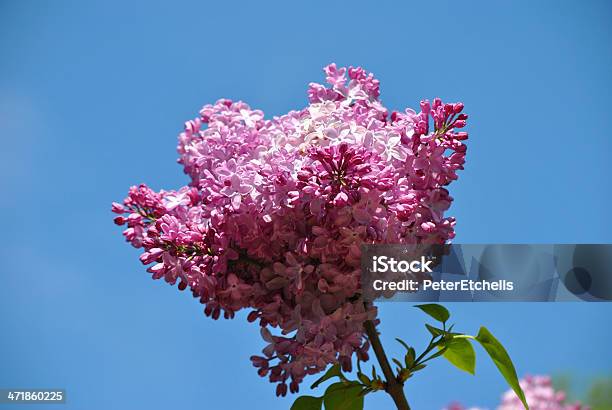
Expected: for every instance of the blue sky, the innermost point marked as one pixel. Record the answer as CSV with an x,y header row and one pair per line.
x,y
93,94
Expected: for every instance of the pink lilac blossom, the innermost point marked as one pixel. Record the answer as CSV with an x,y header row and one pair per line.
x,y
540,395
277,209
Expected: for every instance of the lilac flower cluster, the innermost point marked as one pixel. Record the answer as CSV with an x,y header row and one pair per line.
x,y
540,395
276,211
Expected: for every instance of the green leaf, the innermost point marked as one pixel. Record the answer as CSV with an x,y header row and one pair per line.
x,y
343,396
502,360
307,403
410,358
418,367
333,371
435,332
363,378
402,343
440,352
461,354
438,312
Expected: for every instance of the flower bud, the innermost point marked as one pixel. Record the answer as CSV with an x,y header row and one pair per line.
x,y
425,106
120,220
281,389
118,208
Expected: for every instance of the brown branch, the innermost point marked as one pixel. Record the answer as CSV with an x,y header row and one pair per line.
x,y
393,387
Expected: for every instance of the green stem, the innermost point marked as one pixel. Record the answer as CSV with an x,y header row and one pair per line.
x,y
422,355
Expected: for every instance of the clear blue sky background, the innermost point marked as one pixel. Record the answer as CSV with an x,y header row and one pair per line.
x,y
93,94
